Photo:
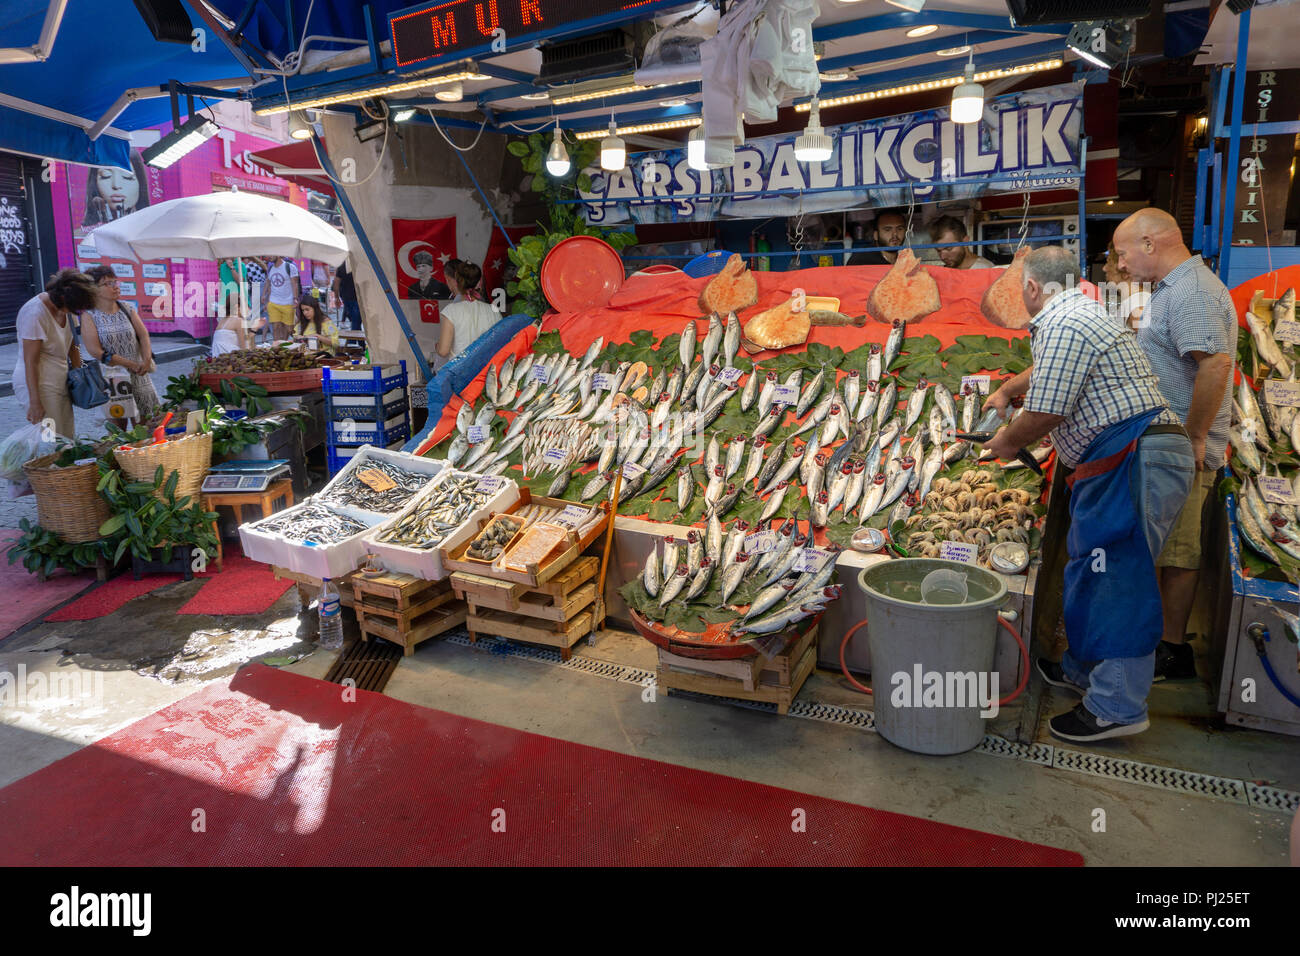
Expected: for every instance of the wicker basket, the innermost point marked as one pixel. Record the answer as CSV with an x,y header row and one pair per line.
x,y
66,500
189,454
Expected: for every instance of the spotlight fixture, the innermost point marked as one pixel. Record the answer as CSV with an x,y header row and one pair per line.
x,y
299,128
924,31
195,131
452,93
682,123
695,150
536,96
945,83
913,5
1103,43
613,153
967,98
676,101
836,76
557,157
813,145
402,115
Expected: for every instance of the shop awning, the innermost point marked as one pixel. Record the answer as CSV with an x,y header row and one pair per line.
x,y
297,163
101,61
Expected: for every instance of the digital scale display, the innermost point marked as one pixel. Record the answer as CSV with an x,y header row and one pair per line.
x,y
244,475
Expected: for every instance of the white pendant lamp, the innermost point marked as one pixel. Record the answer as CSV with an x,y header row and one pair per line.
x,y
557,157
451,93
968,99
613,154
695,150
299,127
813,145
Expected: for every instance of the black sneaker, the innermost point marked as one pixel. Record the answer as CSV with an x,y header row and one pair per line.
x,y
1053,673
1080,726
1174,662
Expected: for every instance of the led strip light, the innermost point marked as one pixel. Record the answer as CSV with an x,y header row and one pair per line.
x,y
946,83
352,95
642,128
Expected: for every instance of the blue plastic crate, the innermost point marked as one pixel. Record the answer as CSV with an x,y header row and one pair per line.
x,y
338,456
373,409
377,383
369,433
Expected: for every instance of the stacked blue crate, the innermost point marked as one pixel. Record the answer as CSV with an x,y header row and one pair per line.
x,y
364,405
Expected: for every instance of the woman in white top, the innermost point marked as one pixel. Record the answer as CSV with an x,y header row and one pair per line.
x,y
41,374
467,317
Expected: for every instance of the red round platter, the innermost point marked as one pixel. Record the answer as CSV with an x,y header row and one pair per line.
x,y
715,643
582,272
659,269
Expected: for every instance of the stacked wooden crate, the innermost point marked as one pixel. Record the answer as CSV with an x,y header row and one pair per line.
x,y
773,680
556,613
404,609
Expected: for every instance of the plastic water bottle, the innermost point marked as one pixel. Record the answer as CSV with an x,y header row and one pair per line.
x,y
331,621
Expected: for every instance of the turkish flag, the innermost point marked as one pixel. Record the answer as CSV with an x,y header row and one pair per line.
x,y
422,248
495,262
429,312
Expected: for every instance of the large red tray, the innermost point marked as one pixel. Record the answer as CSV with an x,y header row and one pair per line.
x,y
716,643
299,380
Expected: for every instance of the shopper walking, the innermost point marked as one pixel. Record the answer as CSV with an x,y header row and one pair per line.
x,y
114,334
467,316
284,295
1189,333
345,287
47,350
1092,389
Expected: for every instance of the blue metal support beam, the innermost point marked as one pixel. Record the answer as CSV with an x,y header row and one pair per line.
x,y
1234,141
1203,159
348,210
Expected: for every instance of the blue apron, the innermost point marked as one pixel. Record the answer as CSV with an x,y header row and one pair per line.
x,y
1115,612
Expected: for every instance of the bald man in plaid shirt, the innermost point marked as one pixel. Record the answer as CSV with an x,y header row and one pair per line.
x,y
1131,466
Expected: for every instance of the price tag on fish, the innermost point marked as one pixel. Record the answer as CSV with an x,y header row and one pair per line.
x,y
476,433
729,376
573,515
1286,331
1281,393
632,471
490,484
785,395
375,479
976,383
1276,490
539,373
602,381
760,542
810,559
959,551
555,456
873,367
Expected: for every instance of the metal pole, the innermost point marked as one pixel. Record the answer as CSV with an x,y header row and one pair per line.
x,y
369,250
1234,142
1083,207
481,195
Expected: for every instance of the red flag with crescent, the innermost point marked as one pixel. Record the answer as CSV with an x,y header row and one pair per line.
x,y
422,247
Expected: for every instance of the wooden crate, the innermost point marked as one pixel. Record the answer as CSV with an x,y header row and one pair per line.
x,y
309,587
404,609
558,613
775,680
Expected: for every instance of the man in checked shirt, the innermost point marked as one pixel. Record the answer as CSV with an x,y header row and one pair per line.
x,y
1131,466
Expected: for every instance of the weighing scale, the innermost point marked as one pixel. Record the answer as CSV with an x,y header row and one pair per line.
x,y
244,475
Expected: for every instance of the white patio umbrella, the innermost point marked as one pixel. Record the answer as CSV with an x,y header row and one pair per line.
x,y
219,226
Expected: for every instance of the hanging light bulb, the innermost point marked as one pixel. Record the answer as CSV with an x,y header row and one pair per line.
x,y
557,157
613,154
299,126
968,99
695,150
451,93
813,145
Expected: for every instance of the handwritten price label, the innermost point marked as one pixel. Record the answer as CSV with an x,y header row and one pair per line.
x,y
602,381
476,433
555,456
1282,393
632,471
785,395
810,559
729,376
976,383
959,551
760,543
1287,331
490,484
376,479
540,374
573,515
1276,490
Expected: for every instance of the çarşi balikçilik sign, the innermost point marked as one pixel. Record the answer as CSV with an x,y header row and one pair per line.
x,y
1026,141
435,30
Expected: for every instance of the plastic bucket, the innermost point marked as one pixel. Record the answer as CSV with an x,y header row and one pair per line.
x,y
932,662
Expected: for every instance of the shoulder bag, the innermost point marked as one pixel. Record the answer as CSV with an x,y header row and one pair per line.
x,y
86,384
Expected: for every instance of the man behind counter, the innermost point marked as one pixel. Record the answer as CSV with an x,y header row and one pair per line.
x,y
952,229
890,229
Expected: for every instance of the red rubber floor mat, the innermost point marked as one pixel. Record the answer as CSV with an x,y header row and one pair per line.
x,y
280,770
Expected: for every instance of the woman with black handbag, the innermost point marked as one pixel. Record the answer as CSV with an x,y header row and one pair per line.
x,y
45,332
116,336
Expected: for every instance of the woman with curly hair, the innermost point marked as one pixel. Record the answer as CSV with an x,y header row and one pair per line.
x,y
45,332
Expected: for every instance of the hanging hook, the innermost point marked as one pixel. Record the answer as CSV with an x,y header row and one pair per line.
x,y
1024,222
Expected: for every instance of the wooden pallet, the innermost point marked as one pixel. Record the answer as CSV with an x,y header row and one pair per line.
x,y
557,613
404,609
775,680
309,587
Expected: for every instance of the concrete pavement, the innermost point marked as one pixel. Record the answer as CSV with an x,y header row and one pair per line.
x,y
166,351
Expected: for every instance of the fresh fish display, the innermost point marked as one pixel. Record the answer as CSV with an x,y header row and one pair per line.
x,y
350,489
438,512
311,522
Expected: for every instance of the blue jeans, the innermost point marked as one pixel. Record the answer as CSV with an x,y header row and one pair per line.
x,y
352,313
1160,481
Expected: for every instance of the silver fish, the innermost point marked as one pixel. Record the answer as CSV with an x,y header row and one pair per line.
x,y
671,550
774,502
872,497
713,538
750,393
731,338
712,455
820,509
769,422
650,574
673,585
810,393
888,402
490,384
685,488
592,351
686,347
735,454
852,386
694,549
867,404
712,340
893,345
700,580
754,464
598,482
733,575
772,463
766,392
1266,345
767,599
853,494
916,402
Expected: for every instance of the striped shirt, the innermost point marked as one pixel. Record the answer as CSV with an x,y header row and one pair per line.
x,y
1089,369
1190,311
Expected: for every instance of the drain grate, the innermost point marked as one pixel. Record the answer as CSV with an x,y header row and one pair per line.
x,y
369,664
1150,775
1271,798
1045,755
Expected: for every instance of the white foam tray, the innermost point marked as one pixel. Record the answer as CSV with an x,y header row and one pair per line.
x,y
319,561
430,466
427,563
